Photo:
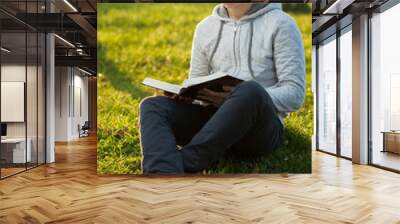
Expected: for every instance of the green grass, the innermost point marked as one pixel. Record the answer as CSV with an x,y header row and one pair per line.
x,y
136,41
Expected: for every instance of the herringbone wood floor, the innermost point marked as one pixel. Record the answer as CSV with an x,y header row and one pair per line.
x,y
69,191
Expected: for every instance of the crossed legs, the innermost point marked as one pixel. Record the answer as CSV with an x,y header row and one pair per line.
x,y
246,124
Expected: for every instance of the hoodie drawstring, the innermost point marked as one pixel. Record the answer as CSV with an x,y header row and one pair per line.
x,y
250,47
221,26
249,64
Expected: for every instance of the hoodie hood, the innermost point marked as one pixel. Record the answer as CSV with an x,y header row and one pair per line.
x,y
257,9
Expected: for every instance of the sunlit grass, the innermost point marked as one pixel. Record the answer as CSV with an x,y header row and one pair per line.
x,y
136,41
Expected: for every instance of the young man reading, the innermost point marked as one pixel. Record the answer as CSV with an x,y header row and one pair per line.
x,y
258,43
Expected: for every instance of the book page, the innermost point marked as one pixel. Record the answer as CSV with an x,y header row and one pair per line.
x,y
168,87
203,79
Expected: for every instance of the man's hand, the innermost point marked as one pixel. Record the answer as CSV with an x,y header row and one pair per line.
x,y
214,98
178,98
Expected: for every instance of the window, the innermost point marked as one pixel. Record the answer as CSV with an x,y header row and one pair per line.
x,y
385,85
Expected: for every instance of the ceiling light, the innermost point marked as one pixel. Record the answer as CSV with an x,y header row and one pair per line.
x,y
84,71
80,51
338,6
5,50
70,5
65,41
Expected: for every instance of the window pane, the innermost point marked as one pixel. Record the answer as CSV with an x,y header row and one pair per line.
x,y
346,93
15,151
327,97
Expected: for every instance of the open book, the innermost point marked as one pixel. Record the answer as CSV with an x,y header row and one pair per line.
x,y
190,87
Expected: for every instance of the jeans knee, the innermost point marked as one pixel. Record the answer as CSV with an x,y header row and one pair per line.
x,y
151,102
251,90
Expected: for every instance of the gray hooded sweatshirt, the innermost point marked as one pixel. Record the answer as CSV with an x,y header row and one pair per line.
x,y
265,46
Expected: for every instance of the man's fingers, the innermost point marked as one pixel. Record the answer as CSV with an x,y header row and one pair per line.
x,y
182,98
165,93
207,92
204,97
216,98
172,95
210,92
214,93
204,93
228,88
208,100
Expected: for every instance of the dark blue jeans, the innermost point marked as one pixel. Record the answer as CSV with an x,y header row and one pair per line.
x,y
245,125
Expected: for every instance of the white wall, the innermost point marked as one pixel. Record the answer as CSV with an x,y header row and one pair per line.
x,y
80,102
71,87
14,72
62,81
33,126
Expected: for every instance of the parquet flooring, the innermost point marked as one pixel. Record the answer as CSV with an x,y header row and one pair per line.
x,y
70,191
